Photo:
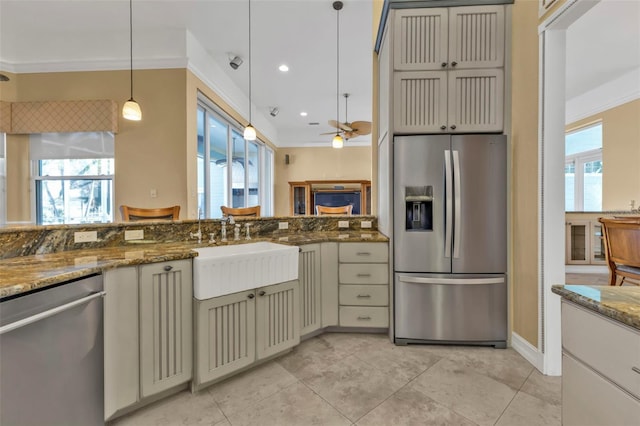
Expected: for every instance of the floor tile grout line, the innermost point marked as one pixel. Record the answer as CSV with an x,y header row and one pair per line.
x,y
330,404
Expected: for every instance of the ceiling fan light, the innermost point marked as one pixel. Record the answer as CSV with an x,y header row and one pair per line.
x,y
131,110
337,142
250,133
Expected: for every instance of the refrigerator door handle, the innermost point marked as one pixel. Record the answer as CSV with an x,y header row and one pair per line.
x,y
425,280
448,220
457,206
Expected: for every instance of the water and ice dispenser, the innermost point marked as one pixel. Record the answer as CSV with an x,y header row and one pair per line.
x,y
419,208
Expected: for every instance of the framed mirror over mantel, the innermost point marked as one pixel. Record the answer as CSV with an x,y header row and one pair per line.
x,y
304,196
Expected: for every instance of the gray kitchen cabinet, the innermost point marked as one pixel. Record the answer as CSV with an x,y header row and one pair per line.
x,y
364,285
600,369
329,277
236,330
277,318
147,332
225,335
166,291
309,276
121,340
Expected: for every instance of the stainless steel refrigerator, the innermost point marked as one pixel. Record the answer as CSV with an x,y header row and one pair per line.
x,y
450,239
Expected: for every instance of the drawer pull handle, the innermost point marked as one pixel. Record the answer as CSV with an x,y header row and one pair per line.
x,y
262,293
367,318
363,275
168,268
363,253
636,369
367,296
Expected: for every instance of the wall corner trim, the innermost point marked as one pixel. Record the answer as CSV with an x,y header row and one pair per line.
x,y
527,350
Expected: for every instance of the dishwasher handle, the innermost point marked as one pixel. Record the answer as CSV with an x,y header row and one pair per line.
x,y
46,314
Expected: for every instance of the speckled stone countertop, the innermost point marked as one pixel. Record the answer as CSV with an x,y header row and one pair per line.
x,y
618,303
25,273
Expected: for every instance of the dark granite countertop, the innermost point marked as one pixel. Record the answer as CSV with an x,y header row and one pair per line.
x,y
618,303
26,273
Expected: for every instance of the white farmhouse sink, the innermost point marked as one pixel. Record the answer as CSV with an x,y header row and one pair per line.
x,y
229,269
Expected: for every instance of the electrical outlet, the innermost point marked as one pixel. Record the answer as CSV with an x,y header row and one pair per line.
x,y
283,225
365,224
153,193
134,234
343,224
85,237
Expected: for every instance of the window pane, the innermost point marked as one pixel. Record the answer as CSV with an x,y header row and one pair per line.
x,y
569,186
74,201
238,172
253,167
593,186
201,159
584,139
267,183
217,166
77,167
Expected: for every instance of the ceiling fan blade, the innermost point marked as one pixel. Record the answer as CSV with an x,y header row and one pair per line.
x,y
361,127
338,125
330,133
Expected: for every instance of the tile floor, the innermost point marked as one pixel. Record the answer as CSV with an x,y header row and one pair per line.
x,y
363,379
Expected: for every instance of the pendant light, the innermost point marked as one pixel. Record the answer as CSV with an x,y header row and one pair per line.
x,y
250,131
337,141
131,110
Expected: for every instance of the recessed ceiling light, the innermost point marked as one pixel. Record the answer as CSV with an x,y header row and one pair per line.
x,y
283,68
304,114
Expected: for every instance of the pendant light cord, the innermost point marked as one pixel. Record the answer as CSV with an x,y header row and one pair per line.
x,y
250,61
338,71
131,46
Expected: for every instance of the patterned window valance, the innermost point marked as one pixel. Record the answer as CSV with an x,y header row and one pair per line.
x,y
61,116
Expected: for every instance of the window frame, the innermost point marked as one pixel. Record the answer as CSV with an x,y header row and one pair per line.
x,y
579,159
265,188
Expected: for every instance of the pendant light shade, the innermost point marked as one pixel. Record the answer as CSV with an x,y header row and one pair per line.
x,y
337,141
250,131
131,110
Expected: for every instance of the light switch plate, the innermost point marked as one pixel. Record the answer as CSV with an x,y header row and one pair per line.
x,y
283,225
343,224
85,237
134,234
365,224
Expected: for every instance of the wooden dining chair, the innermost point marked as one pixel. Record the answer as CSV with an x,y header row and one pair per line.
x,y
130,214
622,248
335,211
240,211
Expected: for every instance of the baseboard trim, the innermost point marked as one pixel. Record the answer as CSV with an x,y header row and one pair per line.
x,y
527,350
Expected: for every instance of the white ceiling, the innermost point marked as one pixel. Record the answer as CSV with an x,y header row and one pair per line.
x,y
60,35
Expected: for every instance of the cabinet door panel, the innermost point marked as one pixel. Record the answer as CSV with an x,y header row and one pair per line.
x,y
476,100
165,325
225,335
278,318
420,39
121,345
310,288
420,101
476,37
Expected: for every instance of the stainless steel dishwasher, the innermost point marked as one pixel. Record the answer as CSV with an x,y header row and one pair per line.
x,y
51,356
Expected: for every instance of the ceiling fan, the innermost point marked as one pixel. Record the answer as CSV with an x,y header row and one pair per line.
x,y
350,130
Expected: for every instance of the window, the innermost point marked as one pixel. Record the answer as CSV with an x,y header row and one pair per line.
x,y
583,169
73,177
231,171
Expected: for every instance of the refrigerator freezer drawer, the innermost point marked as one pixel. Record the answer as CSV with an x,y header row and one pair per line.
x,y
364,295
364,316
451,308
364,273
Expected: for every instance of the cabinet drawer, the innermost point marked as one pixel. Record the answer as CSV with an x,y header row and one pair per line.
x,y
364,295
363,253
611,349
355,273
588,399
364,316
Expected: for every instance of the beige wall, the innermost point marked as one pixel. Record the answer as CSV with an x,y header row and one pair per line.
x,y
318,164
524,280
620,154
149,154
